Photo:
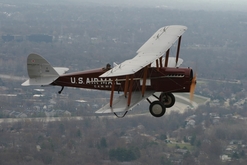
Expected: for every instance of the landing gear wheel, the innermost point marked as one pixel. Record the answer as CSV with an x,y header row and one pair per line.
x,y
167,99
157,109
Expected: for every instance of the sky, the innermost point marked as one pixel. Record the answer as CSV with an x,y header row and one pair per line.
x,y
239,5
229,5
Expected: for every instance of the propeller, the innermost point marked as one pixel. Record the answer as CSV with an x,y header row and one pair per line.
x,y
192,88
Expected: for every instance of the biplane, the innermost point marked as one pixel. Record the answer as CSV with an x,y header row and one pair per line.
x,y
150,72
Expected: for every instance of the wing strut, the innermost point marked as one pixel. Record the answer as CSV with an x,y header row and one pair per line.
x,y
130,89
167,57
112,91
126,86
144,80
157,64
161,61
178,49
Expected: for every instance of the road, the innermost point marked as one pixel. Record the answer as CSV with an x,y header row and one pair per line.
x,y
11,77
221,81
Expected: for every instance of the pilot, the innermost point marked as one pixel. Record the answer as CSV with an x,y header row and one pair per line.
x,y
108,66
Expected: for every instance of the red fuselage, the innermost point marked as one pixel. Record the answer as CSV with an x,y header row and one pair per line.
x,y
160,80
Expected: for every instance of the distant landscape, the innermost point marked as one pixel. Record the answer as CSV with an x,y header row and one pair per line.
x,y
87,35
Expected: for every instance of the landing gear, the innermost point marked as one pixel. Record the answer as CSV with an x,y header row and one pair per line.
x,y
167,99
157,109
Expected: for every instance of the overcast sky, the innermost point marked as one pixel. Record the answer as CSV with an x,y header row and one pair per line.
x,y
184,4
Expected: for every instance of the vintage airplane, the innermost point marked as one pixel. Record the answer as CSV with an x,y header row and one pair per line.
x,y
149,72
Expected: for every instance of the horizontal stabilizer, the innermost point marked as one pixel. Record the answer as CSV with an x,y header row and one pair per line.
x,y
120,103
61,70
39,81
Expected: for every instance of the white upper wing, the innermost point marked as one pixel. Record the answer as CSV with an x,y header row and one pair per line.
x,y
153,49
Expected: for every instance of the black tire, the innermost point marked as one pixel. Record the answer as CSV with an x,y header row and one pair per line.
x,y
157,109
168,99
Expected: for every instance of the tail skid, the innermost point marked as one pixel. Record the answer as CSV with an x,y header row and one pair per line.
x,y
40,72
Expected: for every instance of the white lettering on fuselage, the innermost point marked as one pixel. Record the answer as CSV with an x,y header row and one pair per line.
x,y
97,82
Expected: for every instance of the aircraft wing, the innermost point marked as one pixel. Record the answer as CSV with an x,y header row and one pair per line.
x,y
120,103
153,49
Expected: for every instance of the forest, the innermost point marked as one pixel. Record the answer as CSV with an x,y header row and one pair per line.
x,y
136,140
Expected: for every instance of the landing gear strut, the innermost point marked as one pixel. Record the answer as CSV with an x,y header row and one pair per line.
x,y
157,109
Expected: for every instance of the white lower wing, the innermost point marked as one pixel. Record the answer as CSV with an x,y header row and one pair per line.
x,y
120,103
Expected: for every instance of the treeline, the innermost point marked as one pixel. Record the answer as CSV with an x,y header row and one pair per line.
x,y
99,140
33,38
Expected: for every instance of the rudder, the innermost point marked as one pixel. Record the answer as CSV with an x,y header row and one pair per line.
x,y
39,71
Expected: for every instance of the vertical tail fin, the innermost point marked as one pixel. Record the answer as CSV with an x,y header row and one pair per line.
x,y
39,70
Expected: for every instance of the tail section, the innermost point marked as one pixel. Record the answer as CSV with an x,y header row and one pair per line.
x,y
40,72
